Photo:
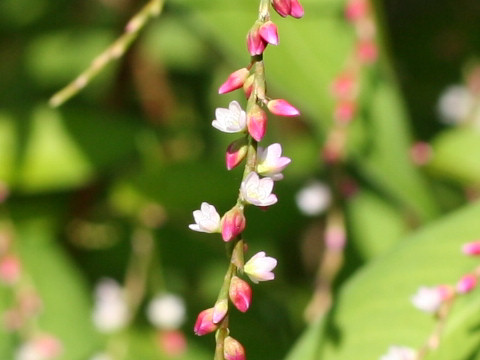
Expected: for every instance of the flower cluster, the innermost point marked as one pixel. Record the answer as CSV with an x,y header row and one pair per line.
x,y
438,300
263,167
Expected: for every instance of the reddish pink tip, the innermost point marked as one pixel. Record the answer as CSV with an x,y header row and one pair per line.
x,y
471,248
296,9
240,294
257,123
204,323
235,81
269,33
282,108
282,7
467,283
232,349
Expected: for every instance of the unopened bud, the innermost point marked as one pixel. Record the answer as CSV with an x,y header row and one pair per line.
x,y
240,294
255,43
233,223
10,269
235,81
269,32
282,7
236,152
282,108
467,283
367,51
256,122
296,9
232,349
219,310
471,248
204,324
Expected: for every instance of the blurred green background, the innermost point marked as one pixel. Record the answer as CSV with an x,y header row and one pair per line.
x,y
135,150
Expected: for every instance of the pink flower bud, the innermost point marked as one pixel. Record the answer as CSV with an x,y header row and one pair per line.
x,y
282,108
233,223
344,111
471,248
296,9
345,86
255,43
232,349
10,269
236,152
240,294
257,122
421,153
173,342
204,324
220,310
367,51
269,32
467,283
282,7
356,10
235,81
248,86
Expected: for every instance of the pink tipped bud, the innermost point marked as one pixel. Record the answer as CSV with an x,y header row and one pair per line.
x,y
240,294
345,86
204,324
421,153
248,86
344,111
235,81
236,152
255,43
282,7
220,310
269,32
233,223
173,342
471,248
356,10
257,122
296,9
232,349
367,51
282,108
10,269
467,283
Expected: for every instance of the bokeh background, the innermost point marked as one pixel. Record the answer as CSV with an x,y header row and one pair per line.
x,y
105,185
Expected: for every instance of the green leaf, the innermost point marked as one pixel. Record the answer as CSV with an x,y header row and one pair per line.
x,y
373,309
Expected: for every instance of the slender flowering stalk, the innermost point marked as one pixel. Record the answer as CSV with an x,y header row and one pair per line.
x,y
262,167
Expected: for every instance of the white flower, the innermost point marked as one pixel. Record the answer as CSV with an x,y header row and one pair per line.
x,y
44,347
166,311
207,219
399,353
427,299
313,199
271,162
110,312
231,120
258,191
259,267
455,104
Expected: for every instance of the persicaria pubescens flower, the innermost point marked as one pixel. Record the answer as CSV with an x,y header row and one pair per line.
x,y
240,294
259,267
256,122
233,223
471,248
429,299
204,323
236,152
270,161
234,81
467,283
269,32
231,120
166,311
282,108
258,191
232,349
207,219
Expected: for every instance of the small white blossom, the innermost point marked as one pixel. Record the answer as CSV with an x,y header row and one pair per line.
x,y
207,219
258,191
259,267
399,353
110,312
314,198
271,162
231,120
427,299
166,311
455,104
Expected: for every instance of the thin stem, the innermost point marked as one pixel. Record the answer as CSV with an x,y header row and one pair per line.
x,y
152,9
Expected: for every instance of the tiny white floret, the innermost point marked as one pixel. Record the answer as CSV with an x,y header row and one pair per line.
x,y
271,162
259,267
427,299
314,198
258,191
399,353
110,312
207,219
231,120
166,311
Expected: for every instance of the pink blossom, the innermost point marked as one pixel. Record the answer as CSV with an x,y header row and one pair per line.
x,y
257,191
233,223
296,9
344,111
269,32
236,152
471,248
204,323
257,122
467,283
259,267
356,9
207,219
10,269
240,293
234,81
282,7
232,349
255,43
367,51
282,108
270,161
